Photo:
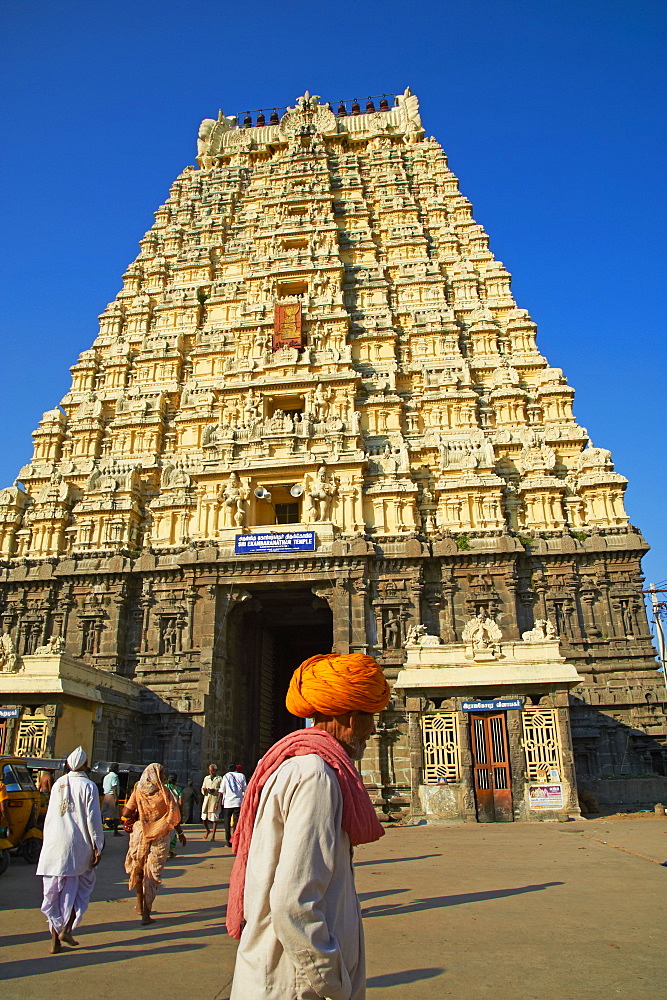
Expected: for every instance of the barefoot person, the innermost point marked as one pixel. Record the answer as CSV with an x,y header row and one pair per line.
x,y
210,793
153,813
292,900
73,842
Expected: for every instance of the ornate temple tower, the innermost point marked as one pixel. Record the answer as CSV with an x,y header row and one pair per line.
x,y
314,417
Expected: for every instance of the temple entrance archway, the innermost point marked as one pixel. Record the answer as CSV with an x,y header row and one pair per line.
x,y
273,632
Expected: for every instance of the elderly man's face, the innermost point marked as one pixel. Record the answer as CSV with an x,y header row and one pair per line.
x,y
352,729
212,770
362,727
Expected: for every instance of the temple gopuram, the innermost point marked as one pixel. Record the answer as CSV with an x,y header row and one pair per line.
x,y
314,418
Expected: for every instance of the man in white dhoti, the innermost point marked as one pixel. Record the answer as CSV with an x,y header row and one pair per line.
x,y
73,842
292,900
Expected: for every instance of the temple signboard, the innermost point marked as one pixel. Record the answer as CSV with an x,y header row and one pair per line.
x,y
287,325
278,541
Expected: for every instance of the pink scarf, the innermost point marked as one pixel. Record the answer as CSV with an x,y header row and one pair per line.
x,y
359,820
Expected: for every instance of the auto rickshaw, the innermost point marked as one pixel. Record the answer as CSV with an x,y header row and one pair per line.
x,y
23,807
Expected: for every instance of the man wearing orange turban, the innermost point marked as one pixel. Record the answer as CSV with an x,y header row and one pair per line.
x,y
292,900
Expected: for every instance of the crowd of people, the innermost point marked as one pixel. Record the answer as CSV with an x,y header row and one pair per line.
x,y
292,902
153,816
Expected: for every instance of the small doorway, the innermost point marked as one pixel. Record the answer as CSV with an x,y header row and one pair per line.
x,y
491,767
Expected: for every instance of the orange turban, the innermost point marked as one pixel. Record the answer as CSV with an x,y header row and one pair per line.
x,y
335,683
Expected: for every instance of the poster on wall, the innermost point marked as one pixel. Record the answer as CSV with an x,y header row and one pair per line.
x,y
287,325
546,797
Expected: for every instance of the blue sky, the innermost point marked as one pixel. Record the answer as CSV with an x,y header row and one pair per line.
x,y
551,113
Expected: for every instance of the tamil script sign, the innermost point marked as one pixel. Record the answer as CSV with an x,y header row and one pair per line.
x,y
9,713
497,705
278,541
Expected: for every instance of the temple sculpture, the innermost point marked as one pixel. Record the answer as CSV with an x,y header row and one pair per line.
x,y
314,418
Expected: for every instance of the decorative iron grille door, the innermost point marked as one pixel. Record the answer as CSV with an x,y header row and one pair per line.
x,y
491,769
31,738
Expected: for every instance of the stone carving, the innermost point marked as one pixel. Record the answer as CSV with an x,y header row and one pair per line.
x,y
537,457
233,499
414,635
321,402
321,495
9,659
251,406
409,105
174,479
482,633
53,647
392,632
541,631
417,635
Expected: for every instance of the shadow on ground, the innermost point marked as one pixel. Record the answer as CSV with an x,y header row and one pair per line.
x,y
403,978
90,953
394,861
436,902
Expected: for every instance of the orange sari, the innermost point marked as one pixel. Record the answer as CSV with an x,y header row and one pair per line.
x,y
148,849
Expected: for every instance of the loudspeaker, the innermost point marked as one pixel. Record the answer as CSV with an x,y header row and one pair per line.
x,y
296,490
262,494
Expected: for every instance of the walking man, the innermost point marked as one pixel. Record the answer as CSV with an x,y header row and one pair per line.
x,y
231,795
292,900
209,807
73,842
187,802
111,790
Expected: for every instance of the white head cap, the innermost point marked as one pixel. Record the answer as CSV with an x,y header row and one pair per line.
x,y
77,759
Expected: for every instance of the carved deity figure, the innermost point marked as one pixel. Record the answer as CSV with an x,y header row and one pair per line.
x,y
170,637
232,498
321,494
392,632
321,402
251,406
482,632
9,659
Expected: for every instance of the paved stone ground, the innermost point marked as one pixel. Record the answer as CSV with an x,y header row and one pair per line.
x,y
495,912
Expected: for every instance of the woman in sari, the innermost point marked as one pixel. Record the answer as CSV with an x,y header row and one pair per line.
x,y
152,810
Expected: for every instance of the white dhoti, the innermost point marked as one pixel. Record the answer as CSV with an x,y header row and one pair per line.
x,y
64,893
72,836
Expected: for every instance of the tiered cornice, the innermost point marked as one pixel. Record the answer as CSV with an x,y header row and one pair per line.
x,y
316,296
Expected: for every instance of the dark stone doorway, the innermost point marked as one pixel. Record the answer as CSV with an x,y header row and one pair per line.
x,y
275,631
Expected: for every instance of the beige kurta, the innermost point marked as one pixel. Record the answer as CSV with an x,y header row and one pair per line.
x,y
304,937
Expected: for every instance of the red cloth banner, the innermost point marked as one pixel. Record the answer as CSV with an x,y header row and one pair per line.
x,y
287,325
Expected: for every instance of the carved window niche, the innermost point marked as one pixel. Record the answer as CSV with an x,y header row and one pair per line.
x,y
171,627
562,617
293,406
295,243
91,631
289,289
391,626
442,757
32,637
624,609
